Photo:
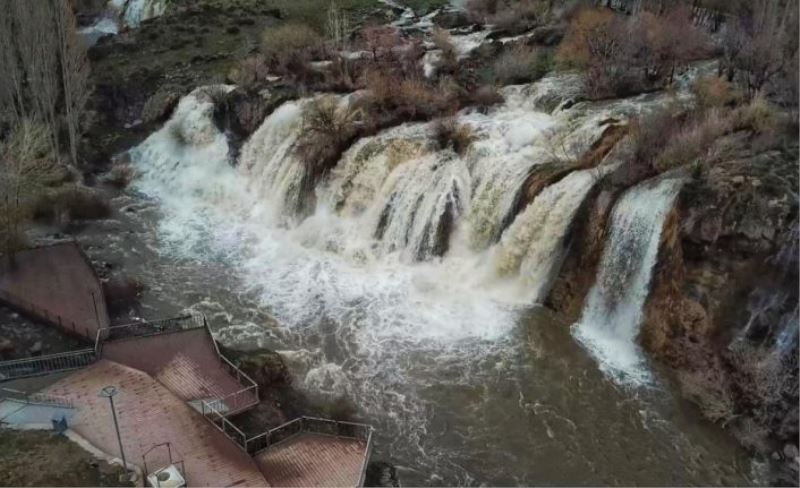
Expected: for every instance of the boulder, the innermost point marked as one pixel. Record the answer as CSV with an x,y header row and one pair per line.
x,y
160,105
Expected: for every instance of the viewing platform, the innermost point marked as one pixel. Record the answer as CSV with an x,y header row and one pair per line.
x,y
175,396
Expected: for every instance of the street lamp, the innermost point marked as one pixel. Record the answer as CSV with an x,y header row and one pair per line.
x,y
109,392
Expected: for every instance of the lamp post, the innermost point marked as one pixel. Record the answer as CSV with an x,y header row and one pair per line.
x,y
109,392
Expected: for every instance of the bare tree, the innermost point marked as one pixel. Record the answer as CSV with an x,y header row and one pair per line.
x,y
74,73
26,167
338,26
762,43
12,93
36,42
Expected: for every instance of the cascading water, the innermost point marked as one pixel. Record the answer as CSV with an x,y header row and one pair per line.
x,y
533,245
269,162
441,353
609,326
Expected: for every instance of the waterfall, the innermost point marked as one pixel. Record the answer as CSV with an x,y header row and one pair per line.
x,y
269,162
609,326
136,11
532,246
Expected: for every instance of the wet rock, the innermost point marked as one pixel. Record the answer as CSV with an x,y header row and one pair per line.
x,y
452,19
264,366
548,35
381,473
159,107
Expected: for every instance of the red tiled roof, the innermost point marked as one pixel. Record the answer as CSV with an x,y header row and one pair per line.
x,y
150,414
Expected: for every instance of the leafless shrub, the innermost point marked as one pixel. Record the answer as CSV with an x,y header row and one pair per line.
x,y
448,133
712,92
329,127
288,49
520,64
691,140
709,389
449,56
71,203
507,14
411,98
250,72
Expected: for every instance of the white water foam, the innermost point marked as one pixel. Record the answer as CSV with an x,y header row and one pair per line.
x,y
609,326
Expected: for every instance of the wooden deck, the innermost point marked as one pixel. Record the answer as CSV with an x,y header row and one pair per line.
x,y
58,285
150,414
309,459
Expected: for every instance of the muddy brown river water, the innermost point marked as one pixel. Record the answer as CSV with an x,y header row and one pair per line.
x,y
524,407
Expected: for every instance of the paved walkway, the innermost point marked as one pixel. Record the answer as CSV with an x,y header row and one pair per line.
x,y
313,460
150,414
185,362
56,284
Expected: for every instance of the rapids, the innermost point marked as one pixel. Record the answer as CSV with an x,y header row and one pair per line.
x,y
410,291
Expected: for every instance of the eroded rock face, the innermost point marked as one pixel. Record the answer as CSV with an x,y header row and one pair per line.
x,y
723,307
722,310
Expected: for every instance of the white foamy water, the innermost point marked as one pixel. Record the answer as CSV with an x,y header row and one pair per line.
x,y
612,315
431,345
533,245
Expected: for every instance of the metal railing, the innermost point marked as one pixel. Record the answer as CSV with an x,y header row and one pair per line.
x,y
52,363
210,411
314,425
143,329
36,398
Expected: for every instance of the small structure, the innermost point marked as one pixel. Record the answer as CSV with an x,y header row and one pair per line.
x,y
175,391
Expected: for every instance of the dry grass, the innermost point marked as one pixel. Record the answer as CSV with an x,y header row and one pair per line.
x,y
412,97
329,127
713,91
448,133
520,64
289,48
72,203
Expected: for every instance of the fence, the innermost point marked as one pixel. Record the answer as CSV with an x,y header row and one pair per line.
x,y
42,314
52,363
36,398
143,329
